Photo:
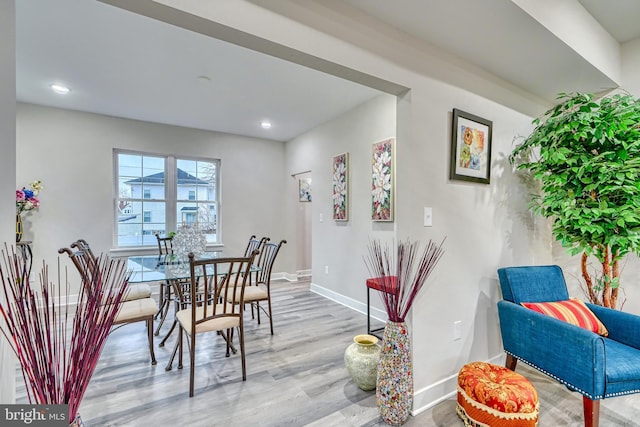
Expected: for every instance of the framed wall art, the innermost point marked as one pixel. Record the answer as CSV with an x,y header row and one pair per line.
x,y
382,174
340,185
304,189
470,147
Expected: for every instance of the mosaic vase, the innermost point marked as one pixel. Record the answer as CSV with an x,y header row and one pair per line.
x,y
77,422
361,359
394,391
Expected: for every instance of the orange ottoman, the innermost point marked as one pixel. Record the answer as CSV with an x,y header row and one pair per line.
x,y
491,395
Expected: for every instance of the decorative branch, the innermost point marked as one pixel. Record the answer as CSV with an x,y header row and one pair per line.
x,y
56,366
401,282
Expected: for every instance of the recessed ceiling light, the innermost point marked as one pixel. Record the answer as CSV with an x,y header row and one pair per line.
x,y
265,124
60,89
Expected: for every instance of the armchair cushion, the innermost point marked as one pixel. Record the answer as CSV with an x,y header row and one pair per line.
x,y
571,311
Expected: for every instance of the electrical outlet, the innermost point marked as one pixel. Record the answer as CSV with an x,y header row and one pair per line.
x,y
457,330
428,217
326,269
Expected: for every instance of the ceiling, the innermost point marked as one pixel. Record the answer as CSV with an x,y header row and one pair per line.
x,y
122,64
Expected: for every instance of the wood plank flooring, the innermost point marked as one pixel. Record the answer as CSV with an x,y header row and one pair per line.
x,y
294,378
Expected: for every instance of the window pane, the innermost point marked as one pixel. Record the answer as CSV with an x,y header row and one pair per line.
x,y
140,177
203,215
139,226
197,195
142,203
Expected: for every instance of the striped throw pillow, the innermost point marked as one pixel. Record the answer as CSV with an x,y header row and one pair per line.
x,y
571,311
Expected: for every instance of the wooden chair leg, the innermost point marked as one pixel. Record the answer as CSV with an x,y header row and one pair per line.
x,y
511,362
258,310
591,412
150,333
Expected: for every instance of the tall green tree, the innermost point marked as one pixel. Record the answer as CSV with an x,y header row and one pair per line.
x,y
585,154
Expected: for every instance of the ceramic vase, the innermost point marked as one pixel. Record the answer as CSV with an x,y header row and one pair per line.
x,y
361,359
18,228
394,391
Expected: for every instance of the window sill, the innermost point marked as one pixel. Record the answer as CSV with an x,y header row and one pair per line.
x,y
151,250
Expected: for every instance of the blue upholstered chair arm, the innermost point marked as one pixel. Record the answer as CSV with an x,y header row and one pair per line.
x,y
566,352
623,327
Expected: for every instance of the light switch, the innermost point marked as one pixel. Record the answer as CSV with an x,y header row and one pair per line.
x,y
321,218
428,217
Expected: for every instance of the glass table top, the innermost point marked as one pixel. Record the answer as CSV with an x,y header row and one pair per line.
x,y
153,268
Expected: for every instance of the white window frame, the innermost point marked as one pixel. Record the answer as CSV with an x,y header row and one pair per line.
x,y
170,200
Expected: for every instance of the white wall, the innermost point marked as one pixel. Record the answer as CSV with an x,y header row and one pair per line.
x,y
630,67
340,245
71,152
486,226
7,168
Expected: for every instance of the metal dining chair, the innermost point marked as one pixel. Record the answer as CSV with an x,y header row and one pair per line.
x,y
206,309
260,291
130,311
134,290
165,247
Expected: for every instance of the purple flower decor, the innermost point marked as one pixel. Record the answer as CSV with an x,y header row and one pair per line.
x,y
26,199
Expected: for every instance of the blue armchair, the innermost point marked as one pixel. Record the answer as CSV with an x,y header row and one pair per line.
x,y
595,366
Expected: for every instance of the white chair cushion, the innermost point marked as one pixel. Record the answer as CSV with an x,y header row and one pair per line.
x,y
217,324
252,293
137,291
136,310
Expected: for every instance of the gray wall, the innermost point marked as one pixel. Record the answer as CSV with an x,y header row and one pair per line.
x,y
7,167
71,152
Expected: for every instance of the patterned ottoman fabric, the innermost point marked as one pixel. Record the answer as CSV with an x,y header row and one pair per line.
x,y
494,396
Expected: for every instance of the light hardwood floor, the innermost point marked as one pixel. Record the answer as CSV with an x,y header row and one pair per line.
x,y
294,378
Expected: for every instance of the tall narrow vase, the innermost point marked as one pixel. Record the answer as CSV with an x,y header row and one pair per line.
x,y
394,391
18,227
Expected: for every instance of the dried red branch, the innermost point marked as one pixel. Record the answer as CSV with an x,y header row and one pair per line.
x,y
57,345
398,295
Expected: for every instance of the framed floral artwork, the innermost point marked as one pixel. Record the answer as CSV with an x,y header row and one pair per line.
x,y
470,148
340,187
382,182
304,189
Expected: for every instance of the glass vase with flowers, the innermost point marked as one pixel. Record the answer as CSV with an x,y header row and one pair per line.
x,y
26,201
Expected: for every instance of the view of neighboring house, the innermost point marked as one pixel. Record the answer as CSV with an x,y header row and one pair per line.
x,y
142,213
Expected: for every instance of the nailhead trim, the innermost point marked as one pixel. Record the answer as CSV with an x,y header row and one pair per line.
x,y
560,380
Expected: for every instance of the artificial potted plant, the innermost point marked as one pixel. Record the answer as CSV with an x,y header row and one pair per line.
x,y
585,155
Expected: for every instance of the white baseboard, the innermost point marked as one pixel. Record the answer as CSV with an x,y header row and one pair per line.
x,y
358,306
428,397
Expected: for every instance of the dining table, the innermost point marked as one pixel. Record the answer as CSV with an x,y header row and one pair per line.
x,y
157,268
